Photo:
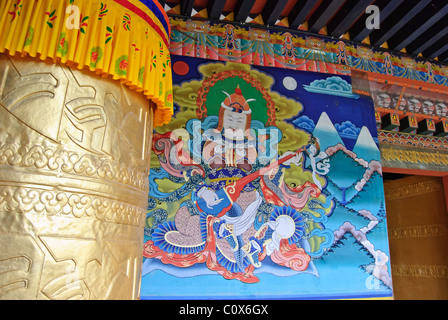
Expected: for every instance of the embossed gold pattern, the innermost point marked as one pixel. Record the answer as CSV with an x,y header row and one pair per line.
x,y
425,231
41,201
412,157
420,271
413,190
74,162
417,224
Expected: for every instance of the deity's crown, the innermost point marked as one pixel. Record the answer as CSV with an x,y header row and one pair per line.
x,y
236,102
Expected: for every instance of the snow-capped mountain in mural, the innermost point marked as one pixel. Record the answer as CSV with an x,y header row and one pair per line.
x,y
326,132
355,176
365,147
355,183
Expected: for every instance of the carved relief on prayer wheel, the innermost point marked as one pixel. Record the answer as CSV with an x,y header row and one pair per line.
x,y
74,165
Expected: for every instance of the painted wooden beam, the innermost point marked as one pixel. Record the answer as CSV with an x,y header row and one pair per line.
x,y
186,6
402,22
323,19
349,19
385,12
413,35
439,52
300,12
272,11
426,46
242,10
214,8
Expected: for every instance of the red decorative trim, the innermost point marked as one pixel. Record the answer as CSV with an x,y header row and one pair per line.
x,y
162,11
144,16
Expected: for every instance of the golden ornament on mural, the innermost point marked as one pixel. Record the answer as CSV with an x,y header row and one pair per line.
x,y
74,162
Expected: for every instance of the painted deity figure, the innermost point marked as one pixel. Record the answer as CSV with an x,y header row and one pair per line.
x,y
402,105
414,105
241,210
441,109
383,100
428,107
232,145
232,142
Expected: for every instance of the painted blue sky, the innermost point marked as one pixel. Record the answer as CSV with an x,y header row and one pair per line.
x,y
334,118
349,115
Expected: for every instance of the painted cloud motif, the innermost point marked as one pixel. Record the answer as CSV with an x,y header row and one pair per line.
x,y
347,128
305,123
333,85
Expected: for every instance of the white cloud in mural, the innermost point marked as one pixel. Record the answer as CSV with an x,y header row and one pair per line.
x,y
333,86
290,83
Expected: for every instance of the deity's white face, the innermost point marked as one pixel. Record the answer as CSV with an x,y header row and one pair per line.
x,y
234,124
384,100
414,105
428,107
441,109
402,104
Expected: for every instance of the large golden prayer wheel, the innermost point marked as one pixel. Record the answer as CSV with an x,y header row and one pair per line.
x,y
75,147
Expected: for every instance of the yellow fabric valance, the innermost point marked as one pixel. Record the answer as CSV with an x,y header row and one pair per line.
x,y
127,40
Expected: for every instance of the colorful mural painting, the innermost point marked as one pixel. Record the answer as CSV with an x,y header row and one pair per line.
x,y
267,183
277,47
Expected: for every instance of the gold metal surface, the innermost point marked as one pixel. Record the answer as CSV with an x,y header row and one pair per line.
x,y
417,222
74,162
